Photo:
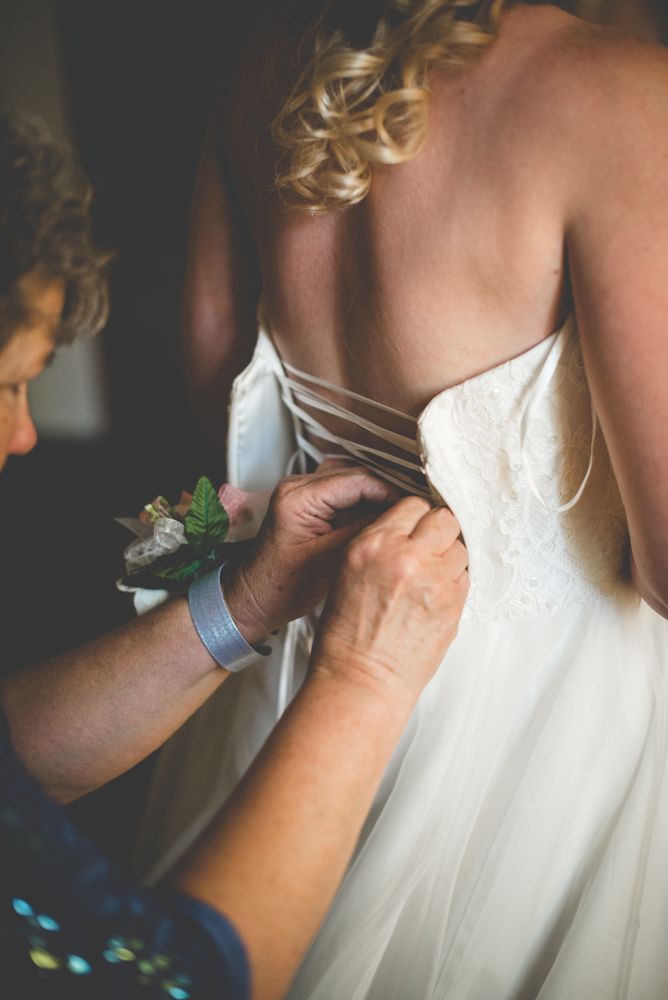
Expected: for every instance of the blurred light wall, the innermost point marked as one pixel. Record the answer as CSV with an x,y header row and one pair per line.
x,y
69,400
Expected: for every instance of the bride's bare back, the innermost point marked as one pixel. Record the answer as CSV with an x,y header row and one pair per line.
x,y
454,262
545,167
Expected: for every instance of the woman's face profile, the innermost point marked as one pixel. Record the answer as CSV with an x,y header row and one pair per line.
x,y
23,358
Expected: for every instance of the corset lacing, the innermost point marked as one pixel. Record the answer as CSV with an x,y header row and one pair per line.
x,y
294,394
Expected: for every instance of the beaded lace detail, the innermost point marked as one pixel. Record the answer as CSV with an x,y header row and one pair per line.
x,y
528,554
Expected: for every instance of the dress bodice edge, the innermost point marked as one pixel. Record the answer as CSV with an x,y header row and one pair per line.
x,y
526,556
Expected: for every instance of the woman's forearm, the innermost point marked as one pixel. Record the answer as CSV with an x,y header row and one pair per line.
x,y
86,716
273,859
82,718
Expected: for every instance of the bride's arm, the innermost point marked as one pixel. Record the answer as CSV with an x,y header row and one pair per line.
x,y
82,718
617,238
224,280
222,290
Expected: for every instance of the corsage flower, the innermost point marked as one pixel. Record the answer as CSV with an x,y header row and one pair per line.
x,y
176,544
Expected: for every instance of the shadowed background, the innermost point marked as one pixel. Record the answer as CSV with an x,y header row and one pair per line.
x,y
130,84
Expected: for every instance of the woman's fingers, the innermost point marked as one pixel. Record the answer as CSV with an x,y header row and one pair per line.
x,y
403,517
456,559
340,536
324,495
328,464
438,529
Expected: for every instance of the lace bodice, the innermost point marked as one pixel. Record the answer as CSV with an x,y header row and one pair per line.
x,y
517,454
527,558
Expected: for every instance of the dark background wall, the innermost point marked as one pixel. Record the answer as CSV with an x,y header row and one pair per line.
x,y
139,78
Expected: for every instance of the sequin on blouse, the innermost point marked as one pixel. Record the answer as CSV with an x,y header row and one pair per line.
x,y
74,925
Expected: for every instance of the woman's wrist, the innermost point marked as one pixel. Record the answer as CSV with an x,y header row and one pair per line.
x,y
244,609
361,723
367,684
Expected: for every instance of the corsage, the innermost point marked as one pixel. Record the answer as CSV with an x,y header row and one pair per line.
x,y
177,545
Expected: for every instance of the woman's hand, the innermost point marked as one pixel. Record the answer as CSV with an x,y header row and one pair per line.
x,y
396,603
311,518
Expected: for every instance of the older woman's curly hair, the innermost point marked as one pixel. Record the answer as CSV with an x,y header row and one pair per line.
x,y
45,225
360,91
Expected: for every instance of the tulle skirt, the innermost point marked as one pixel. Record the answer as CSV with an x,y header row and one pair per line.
x,y
518,846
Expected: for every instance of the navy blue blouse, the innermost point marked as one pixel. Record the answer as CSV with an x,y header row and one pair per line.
x,y
74,925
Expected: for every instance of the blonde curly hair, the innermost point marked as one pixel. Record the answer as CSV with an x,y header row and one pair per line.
x,y
360,91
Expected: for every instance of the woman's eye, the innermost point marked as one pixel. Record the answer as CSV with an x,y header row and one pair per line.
x,y
13,389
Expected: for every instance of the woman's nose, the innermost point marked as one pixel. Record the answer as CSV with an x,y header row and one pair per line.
x,y
25,435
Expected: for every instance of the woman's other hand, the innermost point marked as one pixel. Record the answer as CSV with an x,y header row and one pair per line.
x,y
396,603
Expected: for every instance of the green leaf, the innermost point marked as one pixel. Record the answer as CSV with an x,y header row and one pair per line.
x,y
206,522
177,572
175,565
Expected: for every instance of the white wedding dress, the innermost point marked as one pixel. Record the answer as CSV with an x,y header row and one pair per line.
x,y
518,845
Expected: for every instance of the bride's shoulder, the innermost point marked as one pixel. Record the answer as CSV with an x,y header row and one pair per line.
x,y
593,79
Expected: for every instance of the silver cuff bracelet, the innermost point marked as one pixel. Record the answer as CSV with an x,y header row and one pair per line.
x,y
215,625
